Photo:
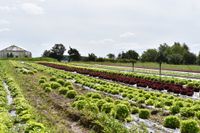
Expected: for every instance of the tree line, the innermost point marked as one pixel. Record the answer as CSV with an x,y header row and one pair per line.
x,y
176,54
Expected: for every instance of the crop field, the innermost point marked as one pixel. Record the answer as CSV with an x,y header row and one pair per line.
x,y
54,97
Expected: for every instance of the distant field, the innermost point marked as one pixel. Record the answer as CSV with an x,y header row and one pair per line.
x,y
151,65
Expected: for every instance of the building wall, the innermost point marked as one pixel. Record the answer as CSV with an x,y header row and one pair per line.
x,y
16,54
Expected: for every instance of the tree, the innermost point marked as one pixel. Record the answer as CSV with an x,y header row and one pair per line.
x,y
111,56
57,52
175,59
198,59
130,54
92,57
177,54
165,50
74,54
149,56
46,53
189,58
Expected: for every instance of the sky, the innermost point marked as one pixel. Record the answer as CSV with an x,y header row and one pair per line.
x,y
99,26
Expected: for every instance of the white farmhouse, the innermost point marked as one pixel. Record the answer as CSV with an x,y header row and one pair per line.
x,y
14,52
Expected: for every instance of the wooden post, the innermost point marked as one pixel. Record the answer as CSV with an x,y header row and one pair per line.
x,y
133,66
160,68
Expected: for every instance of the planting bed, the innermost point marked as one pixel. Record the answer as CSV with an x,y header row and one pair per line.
x,y
154,83
152,99
16,113
83,100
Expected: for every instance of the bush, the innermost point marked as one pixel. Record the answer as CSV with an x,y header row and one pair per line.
x,y
100,104
80,97
47,89
55,85
175,109
187,112
68,84
30,72
41,81
3,128
144,114
141,100
45,85
107,107
172,122
124,95
96,96
44,78
93,95
61,81
130,96
63,90
53,79
35,127
179,103
147,96
115,92
121,111
70,87
80,104
71,94
108,99
92,107
134,110
189,126
168,103
158,104
149,102
197,114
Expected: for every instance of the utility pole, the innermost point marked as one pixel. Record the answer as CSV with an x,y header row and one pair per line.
x,y
133,65
160,68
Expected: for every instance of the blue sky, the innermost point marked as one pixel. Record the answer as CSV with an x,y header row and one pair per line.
x,y
99,26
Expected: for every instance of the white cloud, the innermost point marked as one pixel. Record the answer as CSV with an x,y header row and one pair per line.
x,y
4,22
104,41
32,9
4,29
7,8
127,35
42,0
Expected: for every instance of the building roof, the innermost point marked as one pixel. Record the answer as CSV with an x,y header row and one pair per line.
x,y
14,49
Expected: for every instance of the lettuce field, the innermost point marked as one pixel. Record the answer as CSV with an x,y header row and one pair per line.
x,y
52,97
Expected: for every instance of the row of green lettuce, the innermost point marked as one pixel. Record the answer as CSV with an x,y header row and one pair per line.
x,y
25,120
186,108
105,116
5,118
